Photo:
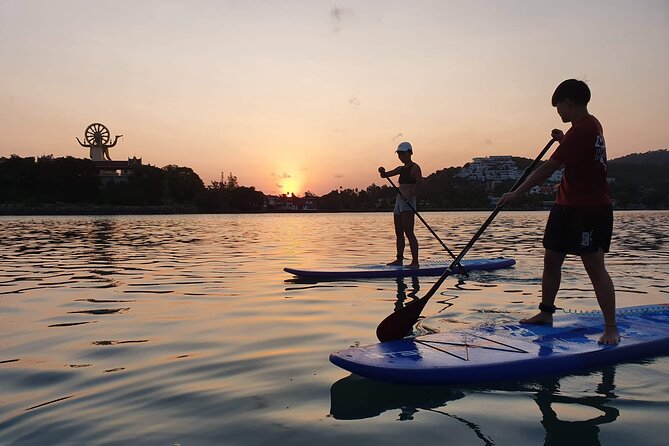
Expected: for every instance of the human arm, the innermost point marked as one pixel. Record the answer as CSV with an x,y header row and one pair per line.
x,y
389,173
80,143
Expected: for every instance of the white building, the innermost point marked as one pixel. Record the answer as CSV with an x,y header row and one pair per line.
x,y
497,168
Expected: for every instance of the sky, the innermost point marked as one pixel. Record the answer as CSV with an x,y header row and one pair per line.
x,y
295,96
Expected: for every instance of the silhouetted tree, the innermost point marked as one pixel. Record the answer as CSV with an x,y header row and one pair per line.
x,y
16,179
228,196
182,183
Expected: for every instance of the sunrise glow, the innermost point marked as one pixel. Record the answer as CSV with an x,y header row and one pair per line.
x,y
292,185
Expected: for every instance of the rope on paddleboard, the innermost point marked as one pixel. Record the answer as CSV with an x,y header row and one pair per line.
x,y
655,309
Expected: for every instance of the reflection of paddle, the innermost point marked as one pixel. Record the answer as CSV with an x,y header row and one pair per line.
x,y
399,323
462,270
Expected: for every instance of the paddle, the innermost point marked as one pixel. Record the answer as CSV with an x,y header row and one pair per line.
x,y
462,270
399,323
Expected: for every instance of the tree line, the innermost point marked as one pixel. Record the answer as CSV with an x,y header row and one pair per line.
x,y
636,181
73,181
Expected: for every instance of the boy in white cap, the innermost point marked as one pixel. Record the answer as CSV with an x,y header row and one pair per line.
x,y
405,203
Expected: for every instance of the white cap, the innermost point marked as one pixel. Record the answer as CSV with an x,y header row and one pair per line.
x,y
404,147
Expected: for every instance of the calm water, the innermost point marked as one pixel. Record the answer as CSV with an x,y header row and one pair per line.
x,y
184,329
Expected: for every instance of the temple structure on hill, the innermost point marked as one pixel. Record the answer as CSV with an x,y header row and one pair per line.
x,y
97,139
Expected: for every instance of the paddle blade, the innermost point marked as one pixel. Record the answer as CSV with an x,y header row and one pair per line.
x,y
399,324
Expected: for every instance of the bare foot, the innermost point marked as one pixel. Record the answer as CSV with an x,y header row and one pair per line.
x,y
610,335
397,262
413,265
540,318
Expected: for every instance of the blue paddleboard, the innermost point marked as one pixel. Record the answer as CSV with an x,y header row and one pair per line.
x,y
376,271
507,352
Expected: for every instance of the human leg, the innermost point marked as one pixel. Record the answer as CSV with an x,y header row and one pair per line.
x,y
408,227
605,292
399,239
550,284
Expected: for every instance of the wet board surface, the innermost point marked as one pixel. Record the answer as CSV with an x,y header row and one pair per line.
x,y
379,271
504,352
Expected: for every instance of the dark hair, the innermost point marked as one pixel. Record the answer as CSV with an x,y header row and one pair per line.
x,y
573,89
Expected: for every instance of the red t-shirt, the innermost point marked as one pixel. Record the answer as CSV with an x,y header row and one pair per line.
x,y
583,154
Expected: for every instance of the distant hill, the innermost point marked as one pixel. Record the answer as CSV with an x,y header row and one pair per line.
x,y
654,157
640,180
647,169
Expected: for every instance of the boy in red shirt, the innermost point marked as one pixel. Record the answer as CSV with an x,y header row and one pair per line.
x,y
581,221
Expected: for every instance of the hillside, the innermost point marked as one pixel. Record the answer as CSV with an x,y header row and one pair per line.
x,y
640,180
655,157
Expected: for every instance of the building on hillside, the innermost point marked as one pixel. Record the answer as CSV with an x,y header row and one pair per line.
x,y
493,169
116,171
289,203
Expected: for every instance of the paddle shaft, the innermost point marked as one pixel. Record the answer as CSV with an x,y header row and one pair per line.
x,y
462,270
397,324
492,216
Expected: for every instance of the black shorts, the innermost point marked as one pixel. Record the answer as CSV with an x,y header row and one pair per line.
x,y
579,230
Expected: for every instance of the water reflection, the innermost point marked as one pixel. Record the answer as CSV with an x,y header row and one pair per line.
x,y
355,398
404,289
402,292
102,232
560,432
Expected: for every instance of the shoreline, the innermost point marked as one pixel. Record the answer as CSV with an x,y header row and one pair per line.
x,y
71,209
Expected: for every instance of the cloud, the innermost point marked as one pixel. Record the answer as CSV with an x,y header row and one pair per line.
x,y
337,15
398,136
339,175
354,101
282,175
488,142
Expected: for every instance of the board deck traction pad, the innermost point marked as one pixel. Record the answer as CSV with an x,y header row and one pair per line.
x,y
514,351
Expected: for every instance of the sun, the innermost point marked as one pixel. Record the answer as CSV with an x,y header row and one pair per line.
x,y
291,185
